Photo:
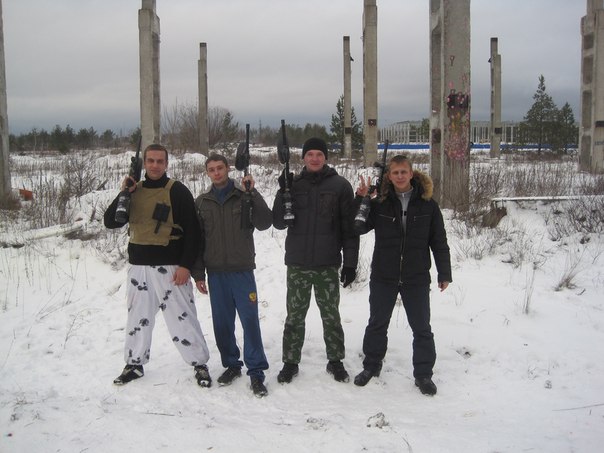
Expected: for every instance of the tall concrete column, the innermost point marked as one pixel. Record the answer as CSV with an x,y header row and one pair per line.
x,y
148,36
202,74
5,182
450,101
495,61
591,134
370,118
347,100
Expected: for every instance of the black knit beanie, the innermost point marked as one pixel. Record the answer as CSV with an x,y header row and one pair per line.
x,y
315,143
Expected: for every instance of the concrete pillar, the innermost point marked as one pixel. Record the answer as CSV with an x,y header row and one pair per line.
x,y
202,74
450,102
5,182
347,100
495,138
591,132
148,35
370,118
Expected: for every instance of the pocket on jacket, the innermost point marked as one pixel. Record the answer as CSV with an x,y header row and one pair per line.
x,y
419,226
208,220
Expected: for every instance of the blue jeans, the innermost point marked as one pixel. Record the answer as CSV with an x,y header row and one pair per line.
x,y
235,293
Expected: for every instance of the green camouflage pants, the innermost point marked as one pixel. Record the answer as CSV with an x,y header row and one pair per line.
x,y
327,294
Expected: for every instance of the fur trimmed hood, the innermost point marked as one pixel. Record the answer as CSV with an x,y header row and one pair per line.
x,y
424,184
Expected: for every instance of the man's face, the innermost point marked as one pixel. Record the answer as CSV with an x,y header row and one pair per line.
x,y
156,164
218,173
400,175
314,160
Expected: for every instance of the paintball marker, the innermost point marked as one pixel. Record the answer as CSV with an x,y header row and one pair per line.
x,y
283,154
242,162
363,212
122,211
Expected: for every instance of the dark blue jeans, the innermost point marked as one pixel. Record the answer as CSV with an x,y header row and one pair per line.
x,y
416,300
230,293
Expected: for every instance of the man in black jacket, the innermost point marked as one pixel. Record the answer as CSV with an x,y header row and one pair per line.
x,y
322,232
408,225
164,242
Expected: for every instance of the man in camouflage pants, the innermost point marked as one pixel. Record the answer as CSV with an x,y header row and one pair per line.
x,y
321,233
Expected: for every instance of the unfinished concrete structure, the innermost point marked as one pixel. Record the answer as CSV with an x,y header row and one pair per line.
x,y
148,35
450,101
370,126
347,99
5,182
495,61
202,74
591,135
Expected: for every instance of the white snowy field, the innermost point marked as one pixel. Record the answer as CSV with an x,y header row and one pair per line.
x,y
519,337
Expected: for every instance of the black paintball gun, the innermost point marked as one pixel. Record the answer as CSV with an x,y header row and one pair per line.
x,y
363,212
122,211
242,163
283,154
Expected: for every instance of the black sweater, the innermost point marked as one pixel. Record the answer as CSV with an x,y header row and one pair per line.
x,y
182,251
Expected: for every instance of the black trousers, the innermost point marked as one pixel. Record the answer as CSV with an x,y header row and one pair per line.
x,y
416,300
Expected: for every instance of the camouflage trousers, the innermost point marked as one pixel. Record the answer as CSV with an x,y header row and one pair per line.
x,y
300,282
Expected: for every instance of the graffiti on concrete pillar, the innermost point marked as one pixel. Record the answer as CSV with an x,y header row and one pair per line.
x,y
458,126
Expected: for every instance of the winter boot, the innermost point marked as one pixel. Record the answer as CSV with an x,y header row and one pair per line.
x,y
229,375
258,387
287,373
426,386
365,376
130,373
336,368
202,376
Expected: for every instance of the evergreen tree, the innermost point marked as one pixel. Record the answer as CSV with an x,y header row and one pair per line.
x,y
566,131
337,126
540,120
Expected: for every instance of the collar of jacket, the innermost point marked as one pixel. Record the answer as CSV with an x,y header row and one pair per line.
x,y
155,183
317,176
222,194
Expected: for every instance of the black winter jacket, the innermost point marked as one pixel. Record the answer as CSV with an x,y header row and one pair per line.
x,y
400,256
323,205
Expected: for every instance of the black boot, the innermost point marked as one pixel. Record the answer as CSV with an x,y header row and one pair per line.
x,y
258,387
336,368
426,386
287,373
365,376
230,374
202,376
130,373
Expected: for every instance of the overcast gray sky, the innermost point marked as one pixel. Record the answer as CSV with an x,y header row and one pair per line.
x,y
76,61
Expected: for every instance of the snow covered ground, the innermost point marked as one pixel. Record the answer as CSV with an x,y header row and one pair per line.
x,y
520,364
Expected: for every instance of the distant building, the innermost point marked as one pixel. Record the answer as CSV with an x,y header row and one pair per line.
x,y
417,132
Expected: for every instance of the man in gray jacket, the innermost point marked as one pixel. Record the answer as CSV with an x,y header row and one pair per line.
x,y
228,259
320,240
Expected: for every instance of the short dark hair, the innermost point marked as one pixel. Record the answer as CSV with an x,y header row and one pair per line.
x,y
155,147
216,158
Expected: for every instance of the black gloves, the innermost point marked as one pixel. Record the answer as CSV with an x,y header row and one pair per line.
x,y
348,275
281,180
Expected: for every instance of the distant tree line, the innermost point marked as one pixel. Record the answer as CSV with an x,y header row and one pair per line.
x,y
180,133
67,139
544,125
